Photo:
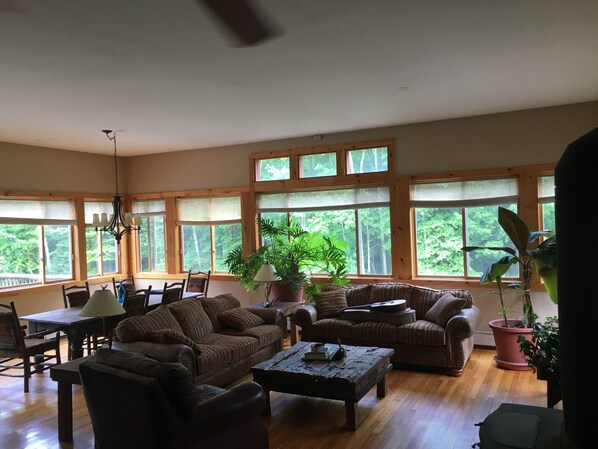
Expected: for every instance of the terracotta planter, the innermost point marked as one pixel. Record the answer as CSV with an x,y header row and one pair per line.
x,y
508,355
283,292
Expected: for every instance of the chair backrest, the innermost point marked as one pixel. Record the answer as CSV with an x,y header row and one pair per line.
x,y
75,295
135,303
11,333
198,281
173,292
128,284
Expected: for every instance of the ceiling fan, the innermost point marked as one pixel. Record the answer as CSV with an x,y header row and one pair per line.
x,y
244,20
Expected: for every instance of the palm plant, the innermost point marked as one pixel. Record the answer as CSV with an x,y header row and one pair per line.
x,y
543,257
296,255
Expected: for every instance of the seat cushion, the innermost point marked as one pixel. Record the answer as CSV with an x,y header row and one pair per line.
x,y
136,328
239,346
324,329
329,304
444,309
240,319
212,356
265,334
424,333
192,318
372,332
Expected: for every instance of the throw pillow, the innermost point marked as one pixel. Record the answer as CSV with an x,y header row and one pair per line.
x,y
329,304
172,336
444,309
240,319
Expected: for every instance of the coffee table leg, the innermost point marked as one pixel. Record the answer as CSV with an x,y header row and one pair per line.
x,y
65,411
351,412
267,410
381,388
294,332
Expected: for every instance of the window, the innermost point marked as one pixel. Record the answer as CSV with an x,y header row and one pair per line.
x,y
35,241
274,169
101,249
316,165
210,229
450,215
546,198
151,242
360,217
368,160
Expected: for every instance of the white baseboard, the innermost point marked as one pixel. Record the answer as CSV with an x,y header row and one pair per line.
x,y
483,338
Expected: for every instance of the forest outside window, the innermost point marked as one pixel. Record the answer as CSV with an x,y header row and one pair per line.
x,y
450,215
317,165
210,229
101,248
151,241
35,241
360,217
546,199
367,160
274,169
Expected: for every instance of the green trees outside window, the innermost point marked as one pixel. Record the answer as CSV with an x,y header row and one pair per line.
x,y
273,169
152,249
316,165
368,160
198,247
101,253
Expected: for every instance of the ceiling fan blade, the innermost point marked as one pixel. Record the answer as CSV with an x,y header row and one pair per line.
x,y
248,23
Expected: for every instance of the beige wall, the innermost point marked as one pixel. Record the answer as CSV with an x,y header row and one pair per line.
x,y
499,140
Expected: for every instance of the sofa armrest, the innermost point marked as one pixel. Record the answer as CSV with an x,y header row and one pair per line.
x,y
270,316
223,411
166,352
464,323
305,316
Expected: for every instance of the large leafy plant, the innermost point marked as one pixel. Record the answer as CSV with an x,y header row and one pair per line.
x,y
543,257
542,350
296,255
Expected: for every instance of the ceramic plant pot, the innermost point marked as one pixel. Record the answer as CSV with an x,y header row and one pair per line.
x,y
283,292
508,355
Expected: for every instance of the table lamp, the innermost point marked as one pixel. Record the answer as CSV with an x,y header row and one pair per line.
x,y
102,303
267,274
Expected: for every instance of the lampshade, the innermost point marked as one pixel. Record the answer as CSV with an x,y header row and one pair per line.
x,y
267,273
102,303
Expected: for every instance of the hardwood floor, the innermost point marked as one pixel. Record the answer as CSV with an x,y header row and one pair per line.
x,y
420,410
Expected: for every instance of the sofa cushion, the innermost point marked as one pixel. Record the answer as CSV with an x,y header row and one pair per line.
x,y
136,328
240,319
239,346
174,378
218,304
444,309
423,333
266,333
372,332
172,336
330,304
213,356
192,317
391,290
323,330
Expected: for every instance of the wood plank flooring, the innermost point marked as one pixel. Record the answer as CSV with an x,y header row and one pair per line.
x,y
420,410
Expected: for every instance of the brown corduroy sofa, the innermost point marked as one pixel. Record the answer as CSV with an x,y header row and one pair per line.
x,y
215,338
423,343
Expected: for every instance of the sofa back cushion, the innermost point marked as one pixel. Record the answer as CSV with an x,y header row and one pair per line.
x,y
240,319
423,298
329,304
357,295
387,291
218,304
136,328
192,317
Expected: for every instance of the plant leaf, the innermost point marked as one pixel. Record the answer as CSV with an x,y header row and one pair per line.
x,y
515,227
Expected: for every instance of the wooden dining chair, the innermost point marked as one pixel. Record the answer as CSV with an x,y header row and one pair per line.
x,y
198,281
136,302
75,295
128,284
15,344
173,292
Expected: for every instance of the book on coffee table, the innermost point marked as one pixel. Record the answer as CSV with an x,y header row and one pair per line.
x,y
320,351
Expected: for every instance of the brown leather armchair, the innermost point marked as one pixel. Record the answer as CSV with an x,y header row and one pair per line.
x,y
135,401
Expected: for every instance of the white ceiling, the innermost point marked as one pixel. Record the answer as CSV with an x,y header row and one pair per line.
x,y
164,73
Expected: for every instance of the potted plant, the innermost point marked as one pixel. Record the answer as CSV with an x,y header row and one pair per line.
x,y
506,332
542,350
295,254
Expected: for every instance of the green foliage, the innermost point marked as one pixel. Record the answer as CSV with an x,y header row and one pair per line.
x,y
296,255
542,352
522,238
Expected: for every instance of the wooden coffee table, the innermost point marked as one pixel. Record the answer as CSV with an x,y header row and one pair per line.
x,y
346,380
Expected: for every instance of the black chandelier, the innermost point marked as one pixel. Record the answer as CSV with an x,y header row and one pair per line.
x,y
118,224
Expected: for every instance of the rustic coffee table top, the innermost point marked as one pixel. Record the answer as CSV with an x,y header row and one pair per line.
x,y
348,379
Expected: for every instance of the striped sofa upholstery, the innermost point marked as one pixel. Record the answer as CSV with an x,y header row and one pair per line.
x,y
192,332
424,343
